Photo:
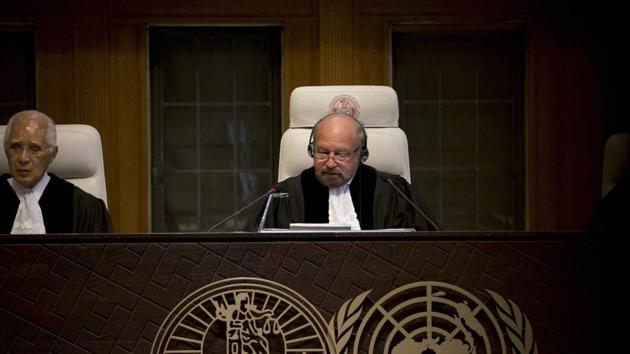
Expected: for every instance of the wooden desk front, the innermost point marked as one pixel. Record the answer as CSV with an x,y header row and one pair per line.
x,y
428,292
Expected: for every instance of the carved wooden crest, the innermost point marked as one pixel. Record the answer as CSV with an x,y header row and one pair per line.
x,y
254,315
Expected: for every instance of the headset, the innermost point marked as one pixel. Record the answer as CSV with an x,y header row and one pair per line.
x,y
363,153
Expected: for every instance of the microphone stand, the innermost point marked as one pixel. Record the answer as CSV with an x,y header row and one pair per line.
x,y
389,180
264,216
273,189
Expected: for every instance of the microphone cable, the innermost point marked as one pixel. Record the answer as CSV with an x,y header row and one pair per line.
x,y
272,190
389,180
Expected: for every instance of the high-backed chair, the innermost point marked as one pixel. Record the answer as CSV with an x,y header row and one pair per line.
x,y
79,160
616,161
375,106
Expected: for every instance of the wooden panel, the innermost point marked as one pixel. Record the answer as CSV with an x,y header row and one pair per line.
x,y
408,8
545,129
336,42
35,8
372,53
117,294
55,85
300,64
129,93
92,85
91,69
91,63
585,131
215,9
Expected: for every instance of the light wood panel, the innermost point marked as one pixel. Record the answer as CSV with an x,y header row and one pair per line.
x,y
337,45
130,175
300,64
55,47
372,57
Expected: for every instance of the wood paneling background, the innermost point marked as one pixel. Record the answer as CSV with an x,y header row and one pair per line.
x,y
92,68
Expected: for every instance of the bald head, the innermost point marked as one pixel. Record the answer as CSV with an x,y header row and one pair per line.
x,y
51,131
343,121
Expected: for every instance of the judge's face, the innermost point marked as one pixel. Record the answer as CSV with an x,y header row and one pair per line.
x,y
27,150
336,151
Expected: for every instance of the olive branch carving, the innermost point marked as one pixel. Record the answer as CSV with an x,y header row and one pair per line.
x,y
519,329
341,324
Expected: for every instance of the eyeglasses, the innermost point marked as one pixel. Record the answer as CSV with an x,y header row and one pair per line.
x,y
31,149
337,156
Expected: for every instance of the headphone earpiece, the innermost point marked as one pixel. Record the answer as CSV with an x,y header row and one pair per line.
x,y
310,149
364,154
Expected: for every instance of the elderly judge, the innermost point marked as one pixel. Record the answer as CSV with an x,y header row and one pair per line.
x,y
34,201
340,188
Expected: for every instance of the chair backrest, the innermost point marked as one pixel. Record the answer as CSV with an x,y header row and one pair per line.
x,y
616,160
79,159
375,106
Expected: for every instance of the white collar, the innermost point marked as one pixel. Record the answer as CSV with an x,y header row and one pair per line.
x,y
37,190
340,207
28,217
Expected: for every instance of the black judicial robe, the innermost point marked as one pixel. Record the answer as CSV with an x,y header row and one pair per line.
x,y
65,208
377,204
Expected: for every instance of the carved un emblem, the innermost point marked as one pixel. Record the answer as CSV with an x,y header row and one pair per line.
x,y
431,317
252,315
345,104
243,316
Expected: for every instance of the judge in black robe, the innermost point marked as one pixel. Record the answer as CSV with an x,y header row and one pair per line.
x,y
30,145
377,204
65,207
338,146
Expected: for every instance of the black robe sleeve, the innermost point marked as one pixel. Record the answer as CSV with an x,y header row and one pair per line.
x,y
9,203
65,208
90,214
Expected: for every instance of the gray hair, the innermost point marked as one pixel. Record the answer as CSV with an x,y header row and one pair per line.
x,y
51,132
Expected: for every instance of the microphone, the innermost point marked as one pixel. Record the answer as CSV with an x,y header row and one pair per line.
x,y
389,180
272,190
264,216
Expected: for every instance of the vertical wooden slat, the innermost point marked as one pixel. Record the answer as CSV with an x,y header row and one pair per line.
x,y
92,83
300,62
129,94
91,58
55,79
336,41
373,52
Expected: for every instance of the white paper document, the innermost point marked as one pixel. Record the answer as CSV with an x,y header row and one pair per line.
x,y
319,227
